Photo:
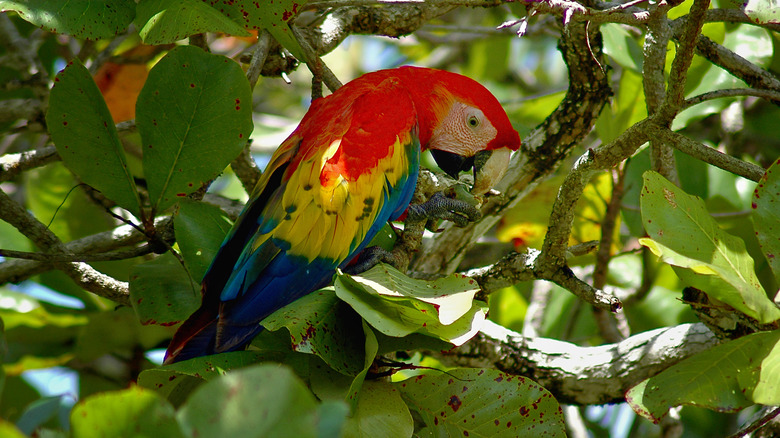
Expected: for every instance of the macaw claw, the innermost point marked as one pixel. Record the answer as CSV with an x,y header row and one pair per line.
x,y
440,206
368,258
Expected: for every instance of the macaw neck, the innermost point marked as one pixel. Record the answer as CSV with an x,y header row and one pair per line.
x,y
430,96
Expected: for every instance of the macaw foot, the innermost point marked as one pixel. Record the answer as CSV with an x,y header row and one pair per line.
x,y
368,258
441,207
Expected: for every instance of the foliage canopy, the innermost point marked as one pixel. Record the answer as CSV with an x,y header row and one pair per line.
x,y
632,257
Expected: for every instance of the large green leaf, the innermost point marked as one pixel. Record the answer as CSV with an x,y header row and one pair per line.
x,y
380,412
397,305
763,11
116,332
684,235
194,115
200,230
482,403
162,292
621,46
321,324
8,430
175,382
259,401
86,138
168,21
273,16
726,378
766,216
133,412
90,19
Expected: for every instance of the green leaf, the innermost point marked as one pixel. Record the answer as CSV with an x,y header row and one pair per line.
x,y
252,402
487,59
331,416
168,21
175,382
194,115
627,108
762,11
766,216
685,236
380,413
622,47
321,324
8,430
328,384
116,332
89,19
397,305
725,378
273,16
200,230
54,196
484,403
36,337
533,111
86,138
45,410
372,348
133,412
162,292
3,352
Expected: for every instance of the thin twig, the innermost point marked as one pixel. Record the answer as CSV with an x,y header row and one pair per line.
x,y
767,414
710,155
731,92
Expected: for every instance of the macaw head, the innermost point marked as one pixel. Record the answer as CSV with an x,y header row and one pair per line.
x,y
467,129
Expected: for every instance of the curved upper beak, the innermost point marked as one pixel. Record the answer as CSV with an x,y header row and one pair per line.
x,y
489,168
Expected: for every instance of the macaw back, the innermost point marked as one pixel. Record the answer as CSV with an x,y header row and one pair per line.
x,y
349,167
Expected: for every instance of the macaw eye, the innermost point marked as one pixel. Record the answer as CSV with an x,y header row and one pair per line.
x,y
473,121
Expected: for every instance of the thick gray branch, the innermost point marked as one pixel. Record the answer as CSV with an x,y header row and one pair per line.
x,y
581,375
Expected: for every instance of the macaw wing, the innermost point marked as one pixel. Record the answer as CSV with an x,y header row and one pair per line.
x,y
351,165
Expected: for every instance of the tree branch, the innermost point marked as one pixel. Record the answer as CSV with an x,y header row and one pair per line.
x,y
581,375
710,155
81,273
12,165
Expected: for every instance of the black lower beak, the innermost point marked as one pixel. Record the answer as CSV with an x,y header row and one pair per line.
x,y
452,164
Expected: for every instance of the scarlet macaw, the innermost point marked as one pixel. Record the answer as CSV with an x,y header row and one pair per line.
x,y
349,167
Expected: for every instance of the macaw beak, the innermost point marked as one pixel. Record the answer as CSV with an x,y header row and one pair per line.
x,y
489,168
